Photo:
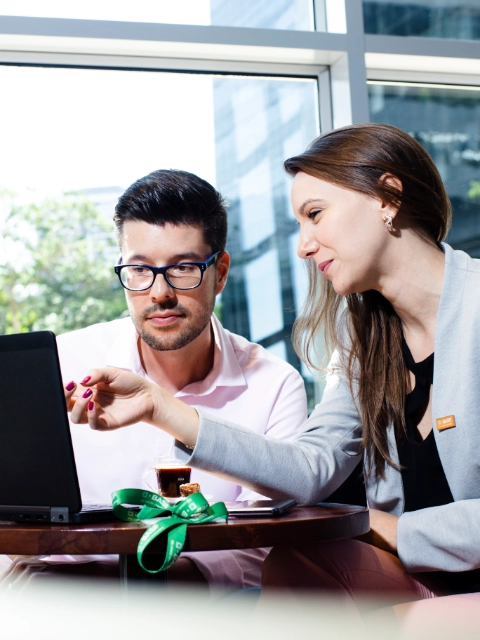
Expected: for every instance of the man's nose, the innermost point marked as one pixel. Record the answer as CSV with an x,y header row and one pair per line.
x,y
307,245
161,290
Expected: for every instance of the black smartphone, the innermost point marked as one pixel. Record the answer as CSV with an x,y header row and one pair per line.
x,y
266,508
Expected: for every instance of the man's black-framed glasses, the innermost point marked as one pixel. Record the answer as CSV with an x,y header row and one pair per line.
x,y
183,276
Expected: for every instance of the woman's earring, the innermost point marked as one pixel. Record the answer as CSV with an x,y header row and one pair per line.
x,y
388,223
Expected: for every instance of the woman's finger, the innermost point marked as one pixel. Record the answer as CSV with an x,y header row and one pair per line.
x,y
106,375
69,390
78,414
95,422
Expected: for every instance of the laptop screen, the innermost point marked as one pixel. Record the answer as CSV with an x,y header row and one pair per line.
x,y
37,466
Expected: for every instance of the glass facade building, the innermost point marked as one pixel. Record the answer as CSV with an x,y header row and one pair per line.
x,y
259,123
445,121
101,93
428,18
264,14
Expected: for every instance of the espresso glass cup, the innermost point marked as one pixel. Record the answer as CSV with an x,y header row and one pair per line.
x,y
171,473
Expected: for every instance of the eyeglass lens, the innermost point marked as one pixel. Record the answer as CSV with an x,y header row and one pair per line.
x,y
180,276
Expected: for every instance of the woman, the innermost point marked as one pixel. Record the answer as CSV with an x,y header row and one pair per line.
x,y
400,312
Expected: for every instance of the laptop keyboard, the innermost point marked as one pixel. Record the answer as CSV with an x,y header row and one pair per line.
x,y
96,507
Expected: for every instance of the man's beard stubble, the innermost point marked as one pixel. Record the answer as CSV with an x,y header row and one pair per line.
x,y
160,340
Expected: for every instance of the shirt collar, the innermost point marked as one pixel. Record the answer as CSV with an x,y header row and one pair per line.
x,y
123,353
226,370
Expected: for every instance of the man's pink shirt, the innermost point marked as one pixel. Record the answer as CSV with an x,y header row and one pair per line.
x,y
247,385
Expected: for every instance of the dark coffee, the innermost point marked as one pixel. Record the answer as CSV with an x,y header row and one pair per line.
x,y
170,478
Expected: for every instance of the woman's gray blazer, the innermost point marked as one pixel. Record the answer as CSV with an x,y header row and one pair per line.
x,y
322,456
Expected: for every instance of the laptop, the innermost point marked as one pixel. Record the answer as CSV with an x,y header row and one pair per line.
x,y
38,476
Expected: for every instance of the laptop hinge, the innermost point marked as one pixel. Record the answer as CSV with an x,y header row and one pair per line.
x,y
59,514
10,508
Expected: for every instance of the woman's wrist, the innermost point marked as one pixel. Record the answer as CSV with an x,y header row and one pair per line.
x,y
383,530
174,416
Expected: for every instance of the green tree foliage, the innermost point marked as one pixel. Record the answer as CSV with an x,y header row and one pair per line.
x,y
56,259
474,190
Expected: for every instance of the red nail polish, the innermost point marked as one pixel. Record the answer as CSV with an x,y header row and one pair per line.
x,y
87,393
91,404
70,386
85,380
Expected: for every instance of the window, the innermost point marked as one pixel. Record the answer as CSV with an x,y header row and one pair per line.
x,y
262,296
431,18
94,132
281,14
445,121
88,108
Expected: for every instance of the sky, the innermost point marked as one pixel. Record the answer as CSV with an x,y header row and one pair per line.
x,y
64,129
170,11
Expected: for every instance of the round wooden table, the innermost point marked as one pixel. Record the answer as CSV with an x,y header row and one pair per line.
x,y
301,525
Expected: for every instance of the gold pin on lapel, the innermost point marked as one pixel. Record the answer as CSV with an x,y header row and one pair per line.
x,y
447,422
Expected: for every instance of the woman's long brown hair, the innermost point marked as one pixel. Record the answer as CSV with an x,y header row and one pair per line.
x,y
356,158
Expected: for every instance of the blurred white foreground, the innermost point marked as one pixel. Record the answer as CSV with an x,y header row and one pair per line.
x,y
81,609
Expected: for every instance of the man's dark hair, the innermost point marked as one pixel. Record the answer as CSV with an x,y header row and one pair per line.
x,y
178,197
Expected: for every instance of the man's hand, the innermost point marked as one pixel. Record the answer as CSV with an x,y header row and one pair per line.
x,y
27,570
20,572
383,531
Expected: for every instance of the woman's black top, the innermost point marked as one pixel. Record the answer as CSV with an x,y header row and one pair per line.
x,y
424,481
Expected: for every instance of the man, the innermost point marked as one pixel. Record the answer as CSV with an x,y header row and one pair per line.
x,y
175,219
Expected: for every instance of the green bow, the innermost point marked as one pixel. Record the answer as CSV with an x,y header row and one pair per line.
x,y
192,510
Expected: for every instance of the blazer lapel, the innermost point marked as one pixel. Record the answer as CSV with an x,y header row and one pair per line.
x,y
450,371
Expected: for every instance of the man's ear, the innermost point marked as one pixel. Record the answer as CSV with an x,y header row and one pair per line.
x,y
395,184
222,266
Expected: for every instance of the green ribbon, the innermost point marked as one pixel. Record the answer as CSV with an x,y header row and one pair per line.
x,y
192,510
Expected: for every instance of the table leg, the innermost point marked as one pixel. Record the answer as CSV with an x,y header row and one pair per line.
x,y
132,574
